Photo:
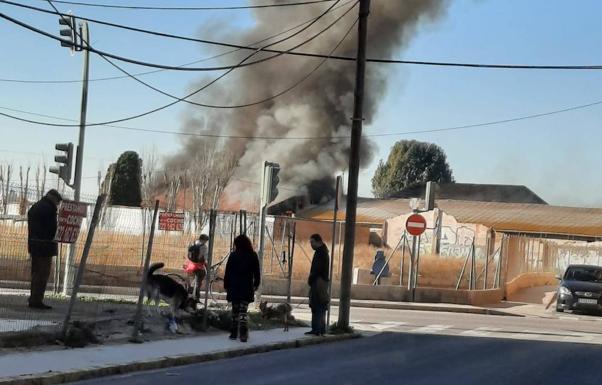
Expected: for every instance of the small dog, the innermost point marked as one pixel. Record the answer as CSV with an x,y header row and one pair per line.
x,y
281,312
162,287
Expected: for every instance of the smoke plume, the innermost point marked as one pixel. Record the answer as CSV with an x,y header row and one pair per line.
x,y
319,107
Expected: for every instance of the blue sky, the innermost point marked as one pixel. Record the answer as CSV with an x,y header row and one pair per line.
x,y
557,156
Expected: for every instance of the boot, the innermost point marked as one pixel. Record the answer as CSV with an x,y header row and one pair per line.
x,y
234,331
244,333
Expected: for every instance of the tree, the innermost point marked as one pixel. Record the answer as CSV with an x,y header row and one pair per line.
x,y
126,181
410,163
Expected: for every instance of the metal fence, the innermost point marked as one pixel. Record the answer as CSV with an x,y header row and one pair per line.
x,y
113,272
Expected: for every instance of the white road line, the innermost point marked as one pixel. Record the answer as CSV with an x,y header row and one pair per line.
x,y
526,335
566,318
480,332
579,337
387,325
431,329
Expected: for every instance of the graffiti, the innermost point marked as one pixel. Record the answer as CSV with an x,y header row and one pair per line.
x,y
568,256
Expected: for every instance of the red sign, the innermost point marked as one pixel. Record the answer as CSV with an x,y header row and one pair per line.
x,y
416,224
71,215
169,221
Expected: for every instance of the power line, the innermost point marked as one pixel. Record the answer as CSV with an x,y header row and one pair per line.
x,y
261,101
150,8
195,92
153,71
338,57
400,133
267,99
144,63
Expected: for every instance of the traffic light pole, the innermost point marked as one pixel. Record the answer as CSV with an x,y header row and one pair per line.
x,y
354,167
79,156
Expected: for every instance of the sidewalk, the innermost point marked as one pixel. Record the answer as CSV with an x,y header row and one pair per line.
x,y
59,366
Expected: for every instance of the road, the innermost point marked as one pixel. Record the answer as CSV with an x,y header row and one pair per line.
x,y
415,347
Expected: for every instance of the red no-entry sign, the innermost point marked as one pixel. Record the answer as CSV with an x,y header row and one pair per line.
x,y
416,224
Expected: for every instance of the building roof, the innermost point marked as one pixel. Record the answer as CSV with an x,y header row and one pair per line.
x,y
476,192
508,217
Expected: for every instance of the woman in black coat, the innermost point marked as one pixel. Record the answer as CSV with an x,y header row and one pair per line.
x,y
241,280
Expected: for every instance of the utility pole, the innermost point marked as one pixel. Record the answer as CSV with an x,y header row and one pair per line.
x,y
84,38
333,244
269,191
354,167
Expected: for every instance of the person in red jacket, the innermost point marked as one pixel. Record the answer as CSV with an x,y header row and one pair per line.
x,y
196,264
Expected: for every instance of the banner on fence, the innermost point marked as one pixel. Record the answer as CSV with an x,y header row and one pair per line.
x,y
70,218
170,221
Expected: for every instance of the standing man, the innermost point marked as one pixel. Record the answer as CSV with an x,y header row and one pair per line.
x,y
318,286
42,225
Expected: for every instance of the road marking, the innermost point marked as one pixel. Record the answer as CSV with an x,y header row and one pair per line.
x,y
480,332
579,337
569,318
526,335
431,329
387,325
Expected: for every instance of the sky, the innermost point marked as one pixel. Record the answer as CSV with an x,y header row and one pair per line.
x,y
557,156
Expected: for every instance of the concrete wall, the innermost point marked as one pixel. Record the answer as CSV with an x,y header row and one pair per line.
x,y
394,293
527,280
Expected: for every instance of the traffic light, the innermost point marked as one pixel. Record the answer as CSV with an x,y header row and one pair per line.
x,y
69,36
65,162
273,170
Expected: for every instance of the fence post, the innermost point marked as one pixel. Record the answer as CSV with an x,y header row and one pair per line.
x,y
57,270
462,272
412,261
143,237
291,255
82,263
212,217
404,239
149,250
498,269
472,267
417,266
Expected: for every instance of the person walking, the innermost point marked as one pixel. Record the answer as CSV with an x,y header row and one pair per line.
x,y
196,264
318,286
241,280
41,229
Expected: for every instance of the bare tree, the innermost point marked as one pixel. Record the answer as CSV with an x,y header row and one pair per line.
x,y
5,175
40,181
173,181
150,177
208,176
24,187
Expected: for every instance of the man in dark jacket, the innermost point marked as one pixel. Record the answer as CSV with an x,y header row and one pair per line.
x,y
318,286
42,225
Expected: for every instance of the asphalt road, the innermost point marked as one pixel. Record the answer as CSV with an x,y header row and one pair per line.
x,y
394,358
565,328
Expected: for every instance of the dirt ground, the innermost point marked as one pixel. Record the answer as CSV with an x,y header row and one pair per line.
x,y
104,321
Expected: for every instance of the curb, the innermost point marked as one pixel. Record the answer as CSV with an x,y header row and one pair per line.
x,y
402,306
409,306
167,362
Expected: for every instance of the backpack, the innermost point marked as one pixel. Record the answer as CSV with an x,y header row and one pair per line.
x,y
194,253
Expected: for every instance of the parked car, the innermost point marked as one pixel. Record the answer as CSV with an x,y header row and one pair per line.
x,y
580,289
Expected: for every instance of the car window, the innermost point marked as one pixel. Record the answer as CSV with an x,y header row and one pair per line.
x,y
584,274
